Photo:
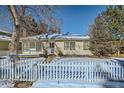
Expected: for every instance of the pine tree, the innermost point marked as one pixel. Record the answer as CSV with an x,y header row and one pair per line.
x,y
107,32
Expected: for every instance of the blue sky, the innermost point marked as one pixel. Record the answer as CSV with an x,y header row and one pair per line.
x,y
76,18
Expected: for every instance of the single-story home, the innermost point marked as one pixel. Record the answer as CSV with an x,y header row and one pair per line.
x,y
67,44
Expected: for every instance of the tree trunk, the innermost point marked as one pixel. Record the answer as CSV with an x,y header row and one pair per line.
x,y
118,52
14,44
13,47
118,48
16,15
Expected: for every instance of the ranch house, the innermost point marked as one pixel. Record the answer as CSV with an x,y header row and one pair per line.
x,y
66,44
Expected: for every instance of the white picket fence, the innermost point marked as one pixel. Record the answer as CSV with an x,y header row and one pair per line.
x,y
23,70
80,70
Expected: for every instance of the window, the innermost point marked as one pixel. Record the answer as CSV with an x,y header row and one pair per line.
x,y
66,45
25,46
72,45
85,45
32,44
69,45
32,47
51,45
38,46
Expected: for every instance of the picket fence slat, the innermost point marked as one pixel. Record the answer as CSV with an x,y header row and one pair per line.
x,y
2,69
122,73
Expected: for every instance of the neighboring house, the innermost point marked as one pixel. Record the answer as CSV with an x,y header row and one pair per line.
x,y
4,42
67,44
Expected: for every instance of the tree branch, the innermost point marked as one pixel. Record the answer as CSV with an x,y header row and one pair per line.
x,y
14,14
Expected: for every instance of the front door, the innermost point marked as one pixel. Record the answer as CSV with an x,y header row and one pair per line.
x,y
51,47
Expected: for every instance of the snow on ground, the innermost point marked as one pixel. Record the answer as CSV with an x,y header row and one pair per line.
x,y
63,84
5,38
3,57
118,59
79,59
6,84
72,84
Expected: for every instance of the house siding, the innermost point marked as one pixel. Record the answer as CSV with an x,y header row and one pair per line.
x,y
4,45
59,46
78,48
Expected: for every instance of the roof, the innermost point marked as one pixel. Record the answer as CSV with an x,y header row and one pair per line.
x,y
4,38
5,31
58,37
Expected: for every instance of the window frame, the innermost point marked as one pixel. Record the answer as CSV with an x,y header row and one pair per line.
x,y
38,47
25,47
69,45
72,45
85,45
66,45
32,49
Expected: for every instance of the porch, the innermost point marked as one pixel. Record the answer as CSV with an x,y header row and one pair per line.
x,y
36,48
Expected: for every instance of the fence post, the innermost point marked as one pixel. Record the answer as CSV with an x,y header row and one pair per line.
x,y
29,71
122,72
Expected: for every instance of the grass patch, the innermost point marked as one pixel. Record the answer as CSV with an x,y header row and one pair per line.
x,y
23,84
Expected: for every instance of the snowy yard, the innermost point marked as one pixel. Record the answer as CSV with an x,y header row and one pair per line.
x,y
72,84
6,84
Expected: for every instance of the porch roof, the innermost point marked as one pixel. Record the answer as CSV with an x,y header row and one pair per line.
x,y
58,37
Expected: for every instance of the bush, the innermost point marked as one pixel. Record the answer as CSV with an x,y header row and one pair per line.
x,y
60,53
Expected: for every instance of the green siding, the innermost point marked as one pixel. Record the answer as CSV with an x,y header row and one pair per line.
x,y
4,45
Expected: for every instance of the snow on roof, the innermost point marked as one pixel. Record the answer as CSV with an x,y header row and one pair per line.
x,y
59,37
4,38
4,31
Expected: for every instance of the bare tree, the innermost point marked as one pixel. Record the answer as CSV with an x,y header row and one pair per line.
x,y
43,14
29,19
17,14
